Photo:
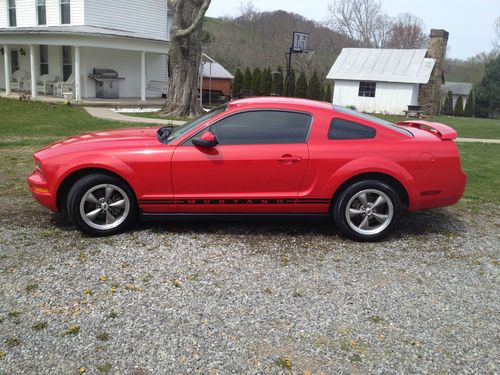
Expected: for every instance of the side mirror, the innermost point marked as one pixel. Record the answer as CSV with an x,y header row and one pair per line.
x,y
207,139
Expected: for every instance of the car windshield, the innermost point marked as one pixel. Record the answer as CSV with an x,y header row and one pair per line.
x,y
374,119
179,131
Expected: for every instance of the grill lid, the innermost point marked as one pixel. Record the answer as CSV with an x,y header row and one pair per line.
x,y
100,74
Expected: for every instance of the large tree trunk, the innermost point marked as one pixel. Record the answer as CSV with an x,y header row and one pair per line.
x,y
184,59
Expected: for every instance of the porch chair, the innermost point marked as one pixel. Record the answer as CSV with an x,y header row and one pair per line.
x,y
158,86
18,78
46,84
67,87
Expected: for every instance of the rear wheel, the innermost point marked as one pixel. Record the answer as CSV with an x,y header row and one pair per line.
x,y
368,210
101,205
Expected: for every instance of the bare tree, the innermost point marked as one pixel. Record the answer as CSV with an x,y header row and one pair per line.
x,y
496,42
407,31
185,57
360,20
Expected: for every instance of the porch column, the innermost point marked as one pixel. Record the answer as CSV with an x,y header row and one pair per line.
x,y
6,61
143,76
78,76
33,71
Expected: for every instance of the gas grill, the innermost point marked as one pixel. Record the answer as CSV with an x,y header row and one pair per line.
x,y
107,83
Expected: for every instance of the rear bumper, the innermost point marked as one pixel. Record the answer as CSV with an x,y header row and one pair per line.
x,y
40,190
446,196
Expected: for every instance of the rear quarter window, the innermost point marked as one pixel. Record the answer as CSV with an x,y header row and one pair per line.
x,y
344,129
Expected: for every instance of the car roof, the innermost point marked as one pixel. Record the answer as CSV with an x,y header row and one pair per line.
x,y
280,101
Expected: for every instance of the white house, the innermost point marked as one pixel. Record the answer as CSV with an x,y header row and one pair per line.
x,y
380,80
64,40
457,89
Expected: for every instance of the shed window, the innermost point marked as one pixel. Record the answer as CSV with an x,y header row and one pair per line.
x,y
12,13
367,89
344,129
65,12
41,12
44,60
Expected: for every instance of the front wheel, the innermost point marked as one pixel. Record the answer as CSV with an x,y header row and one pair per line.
x,y
367,210
101,205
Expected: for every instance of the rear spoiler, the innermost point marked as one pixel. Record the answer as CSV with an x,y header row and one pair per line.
x,y
439,130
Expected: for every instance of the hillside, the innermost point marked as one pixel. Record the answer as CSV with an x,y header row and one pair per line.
x,y
262,40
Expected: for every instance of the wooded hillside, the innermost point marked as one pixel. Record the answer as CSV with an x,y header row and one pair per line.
x,y
261,40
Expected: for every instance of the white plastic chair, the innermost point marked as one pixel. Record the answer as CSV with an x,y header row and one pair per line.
x,y
67,87
46,83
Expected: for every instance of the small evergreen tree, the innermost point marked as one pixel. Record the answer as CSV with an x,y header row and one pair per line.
x,y
266,82
256,77
487,95
237,83
322,93
313,88
291,93
301,87
328,93
247,83
459,107
279,81
448,104
469,106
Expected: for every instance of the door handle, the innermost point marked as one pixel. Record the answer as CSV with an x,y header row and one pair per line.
x,y
289,158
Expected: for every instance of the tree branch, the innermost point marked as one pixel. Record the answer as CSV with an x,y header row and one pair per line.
x,y
197,21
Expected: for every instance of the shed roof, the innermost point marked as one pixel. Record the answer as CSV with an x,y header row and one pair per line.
x,y
213,69
457,88
382,65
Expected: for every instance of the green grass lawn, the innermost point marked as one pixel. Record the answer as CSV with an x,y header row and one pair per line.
x,y
465,126
26,126
25,123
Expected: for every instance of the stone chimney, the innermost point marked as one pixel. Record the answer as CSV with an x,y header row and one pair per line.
x,y
430,93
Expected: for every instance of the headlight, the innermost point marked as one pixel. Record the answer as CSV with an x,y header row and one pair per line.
x,y
39,167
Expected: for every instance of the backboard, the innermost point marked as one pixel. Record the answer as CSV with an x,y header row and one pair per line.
x,y
300,42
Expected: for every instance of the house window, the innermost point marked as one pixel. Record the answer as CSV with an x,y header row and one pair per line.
x,y
12,13
44,60
14,61
41,11
65,12
67,63
367,89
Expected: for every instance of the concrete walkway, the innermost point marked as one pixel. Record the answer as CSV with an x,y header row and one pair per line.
x,y
108,114
477,140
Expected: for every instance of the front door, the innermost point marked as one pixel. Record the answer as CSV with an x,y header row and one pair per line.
x,y
258,165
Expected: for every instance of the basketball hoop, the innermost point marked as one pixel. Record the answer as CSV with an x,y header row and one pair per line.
x,y
300,44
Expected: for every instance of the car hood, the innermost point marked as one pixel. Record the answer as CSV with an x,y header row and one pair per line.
x,y
104,139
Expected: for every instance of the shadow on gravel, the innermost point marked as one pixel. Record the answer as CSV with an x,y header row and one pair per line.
x,y
422,223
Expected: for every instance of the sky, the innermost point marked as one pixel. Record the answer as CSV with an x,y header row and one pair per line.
x,y
470,23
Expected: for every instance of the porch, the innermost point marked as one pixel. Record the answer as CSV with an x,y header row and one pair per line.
x,y
54,65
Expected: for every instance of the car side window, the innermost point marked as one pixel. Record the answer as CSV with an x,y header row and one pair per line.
x,y
345,129
263,127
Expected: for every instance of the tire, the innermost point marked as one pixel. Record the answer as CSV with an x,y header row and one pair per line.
x,y
101,205
367,210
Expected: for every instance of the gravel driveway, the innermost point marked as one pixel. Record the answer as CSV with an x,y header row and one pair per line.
x,y
220,298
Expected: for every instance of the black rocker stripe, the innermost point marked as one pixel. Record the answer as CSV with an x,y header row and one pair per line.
x,y
234,201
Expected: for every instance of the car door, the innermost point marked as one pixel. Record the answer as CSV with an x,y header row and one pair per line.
x,y
257,166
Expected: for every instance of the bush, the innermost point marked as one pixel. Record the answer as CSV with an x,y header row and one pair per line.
x,y
459,107
328,93
266,82
314,89
469,106
237,83
256,77
448,104
247,83
301,88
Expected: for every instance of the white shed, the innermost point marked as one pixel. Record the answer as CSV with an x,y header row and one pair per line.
x,y
457,89
380,80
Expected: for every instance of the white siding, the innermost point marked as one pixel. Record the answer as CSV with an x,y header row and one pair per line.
x,y
26,13
148,18
127,64
390,97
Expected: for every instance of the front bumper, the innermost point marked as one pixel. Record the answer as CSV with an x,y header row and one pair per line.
x,y
40,190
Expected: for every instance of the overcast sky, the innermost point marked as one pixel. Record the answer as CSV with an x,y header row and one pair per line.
x,y
470,23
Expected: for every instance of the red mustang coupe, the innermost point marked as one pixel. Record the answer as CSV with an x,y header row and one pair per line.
x,y
261,156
